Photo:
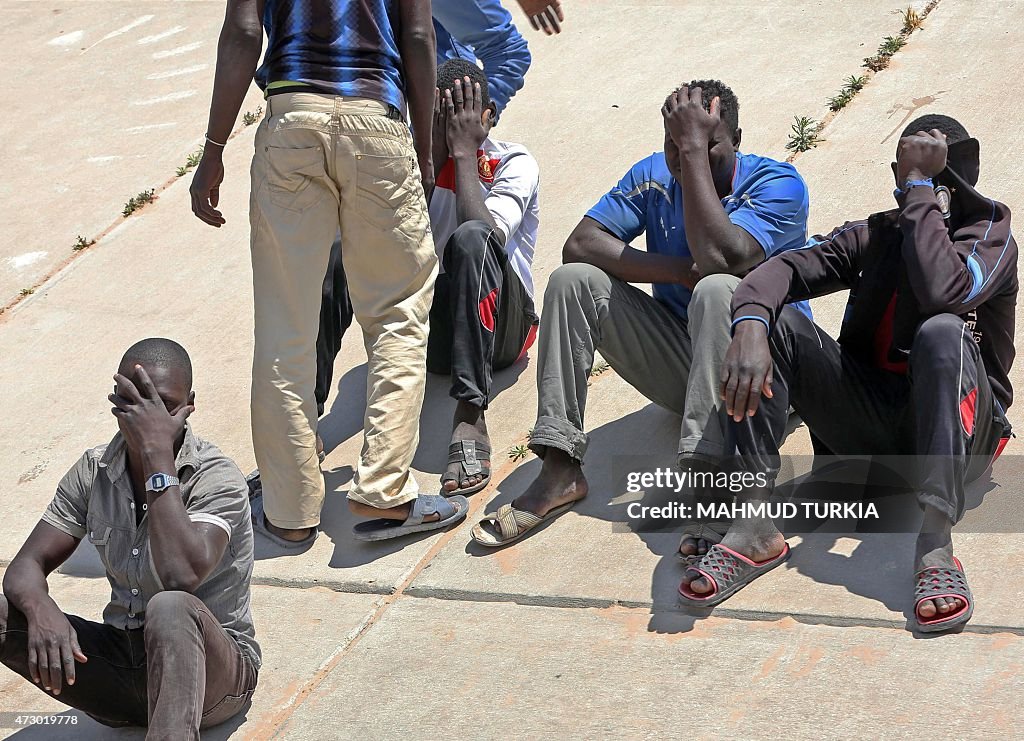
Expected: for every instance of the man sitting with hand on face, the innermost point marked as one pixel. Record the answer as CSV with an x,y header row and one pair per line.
x,y
169,515
710,214
484,214
921,367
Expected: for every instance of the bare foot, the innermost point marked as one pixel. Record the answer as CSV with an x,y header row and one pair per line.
x,y
468,424
759,542
935,550
288,534
560,481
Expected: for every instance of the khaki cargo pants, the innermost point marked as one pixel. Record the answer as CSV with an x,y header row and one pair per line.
x,y
322,164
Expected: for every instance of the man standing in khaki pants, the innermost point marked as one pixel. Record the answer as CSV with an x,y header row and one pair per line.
x,y
334,153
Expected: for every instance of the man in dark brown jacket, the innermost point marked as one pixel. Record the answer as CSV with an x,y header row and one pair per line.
x,y
921,367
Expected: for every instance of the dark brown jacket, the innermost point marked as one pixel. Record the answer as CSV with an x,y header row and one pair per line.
x,y
902,267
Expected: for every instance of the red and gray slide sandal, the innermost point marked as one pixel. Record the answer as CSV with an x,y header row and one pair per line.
x,y
728,572
943,581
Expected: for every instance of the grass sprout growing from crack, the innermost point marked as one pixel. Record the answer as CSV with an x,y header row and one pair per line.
x,y
851,86
840,100
889,46
518,453
804,134
251,117
27,291
855,83
191,161
912,20
81,243
138,201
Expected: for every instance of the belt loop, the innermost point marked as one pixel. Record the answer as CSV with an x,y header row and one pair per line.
x,y
270,106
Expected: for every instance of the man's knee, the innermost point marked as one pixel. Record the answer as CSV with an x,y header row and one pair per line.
x,y
713,293
170,611
939,340
573,279
468,242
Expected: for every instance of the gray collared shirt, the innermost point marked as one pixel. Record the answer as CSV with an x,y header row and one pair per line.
x,y
95,499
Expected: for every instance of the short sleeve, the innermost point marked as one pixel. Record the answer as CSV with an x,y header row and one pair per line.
x,y
515,184
623,209
70,505
774,212
218,495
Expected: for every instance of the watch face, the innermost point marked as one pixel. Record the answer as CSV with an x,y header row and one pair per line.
x,y
159,481
944,198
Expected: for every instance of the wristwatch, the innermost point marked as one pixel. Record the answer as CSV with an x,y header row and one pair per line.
x,y
161,481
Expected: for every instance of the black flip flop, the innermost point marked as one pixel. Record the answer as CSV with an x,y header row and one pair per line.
x,y
471,455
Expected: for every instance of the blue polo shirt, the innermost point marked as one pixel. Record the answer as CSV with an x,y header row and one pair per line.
x,y
768,200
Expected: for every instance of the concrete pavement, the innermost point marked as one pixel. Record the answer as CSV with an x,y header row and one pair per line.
x,y
583,636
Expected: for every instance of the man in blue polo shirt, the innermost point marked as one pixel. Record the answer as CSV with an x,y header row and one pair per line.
x,y
710,214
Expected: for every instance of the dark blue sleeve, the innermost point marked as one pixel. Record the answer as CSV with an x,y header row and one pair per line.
x,y
487,29
774,212
623,209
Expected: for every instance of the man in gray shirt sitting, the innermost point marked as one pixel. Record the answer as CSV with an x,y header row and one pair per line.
x,y
169,515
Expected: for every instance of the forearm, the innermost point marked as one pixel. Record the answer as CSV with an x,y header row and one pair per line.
x,y
238,52
417,47
936,269
717,245
176,545
602,250
25,586
469,198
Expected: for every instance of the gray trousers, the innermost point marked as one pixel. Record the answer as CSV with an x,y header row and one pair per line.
x,y
674,362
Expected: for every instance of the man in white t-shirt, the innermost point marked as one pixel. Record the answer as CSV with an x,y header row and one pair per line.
x,y
484,216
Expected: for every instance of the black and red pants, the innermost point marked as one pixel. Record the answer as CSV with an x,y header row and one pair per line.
x,y
941,412
482,318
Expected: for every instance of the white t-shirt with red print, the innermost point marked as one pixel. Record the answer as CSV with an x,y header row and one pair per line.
x,y
510,181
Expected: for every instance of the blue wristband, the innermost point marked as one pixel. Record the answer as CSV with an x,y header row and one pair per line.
x,y
926,183
761,319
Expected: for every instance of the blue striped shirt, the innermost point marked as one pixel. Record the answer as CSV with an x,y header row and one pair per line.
x,y
340,47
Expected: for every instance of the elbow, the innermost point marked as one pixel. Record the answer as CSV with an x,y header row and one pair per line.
x,y
419,38
185,581
573,250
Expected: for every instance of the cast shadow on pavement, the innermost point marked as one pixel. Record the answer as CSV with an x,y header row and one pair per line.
x,y
344,419
876,566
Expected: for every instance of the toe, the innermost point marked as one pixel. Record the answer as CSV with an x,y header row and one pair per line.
x,y
700,585
450,485
926,609
689,547
702,547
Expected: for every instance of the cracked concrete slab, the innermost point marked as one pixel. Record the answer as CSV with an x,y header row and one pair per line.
x,y
116,97
536,672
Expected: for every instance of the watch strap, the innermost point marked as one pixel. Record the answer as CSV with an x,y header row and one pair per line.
x,y
161,481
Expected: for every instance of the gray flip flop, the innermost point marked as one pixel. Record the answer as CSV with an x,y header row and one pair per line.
x,y
945,581
729,572
450,509
471,455
259,525
713,532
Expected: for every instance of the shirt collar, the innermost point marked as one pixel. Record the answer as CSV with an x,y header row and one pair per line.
x,y
115,457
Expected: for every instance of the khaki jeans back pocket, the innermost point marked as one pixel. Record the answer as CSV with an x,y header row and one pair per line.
x,y
292,176
386,191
